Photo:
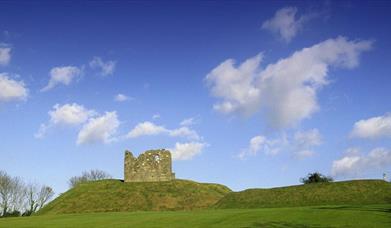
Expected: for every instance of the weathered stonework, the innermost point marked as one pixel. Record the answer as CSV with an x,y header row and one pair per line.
x,y
152,165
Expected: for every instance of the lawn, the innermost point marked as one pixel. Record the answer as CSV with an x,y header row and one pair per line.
x,y
315,216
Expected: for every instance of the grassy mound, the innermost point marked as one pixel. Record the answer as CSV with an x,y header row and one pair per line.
x,y
115,195
356,192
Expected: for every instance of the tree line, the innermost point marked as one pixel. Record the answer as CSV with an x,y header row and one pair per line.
x,y
18,198
86,176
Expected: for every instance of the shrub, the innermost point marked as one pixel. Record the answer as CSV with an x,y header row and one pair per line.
x,y
315,177
12,214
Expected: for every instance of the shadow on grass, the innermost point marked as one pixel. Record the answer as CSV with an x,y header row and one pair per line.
x,y
380,208
285,225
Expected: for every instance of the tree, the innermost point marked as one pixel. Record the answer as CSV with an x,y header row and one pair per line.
x,y
11,194
37,197
17,198
5,192
315,177
86,176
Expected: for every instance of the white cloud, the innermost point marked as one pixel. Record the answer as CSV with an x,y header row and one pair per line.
x,y
149,128
43,128
66,115
11,90
70,114
184,132
188,122
285,23
256,143
156,116
62,75
375,127
5,54
286,91
105,68
356,164
146,128
308,138
99,129
236,86
182,151
301,144
186,151
121,98
304,141
262,144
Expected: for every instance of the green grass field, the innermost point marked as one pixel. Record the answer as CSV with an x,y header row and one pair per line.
x,y
320,216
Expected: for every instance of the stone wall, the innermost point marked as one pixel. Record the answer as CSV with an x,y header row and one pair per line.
x,y
152,165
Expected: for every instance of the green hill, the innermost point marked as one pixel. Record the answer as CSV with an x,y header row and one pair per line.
x,y
357,192
115,195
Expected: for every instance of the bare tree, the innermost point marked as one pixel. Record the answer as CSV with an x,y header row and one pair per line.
x,y
18,195
73,181
11,194
97,175
31,198
44,195
37,197
5,192
86,176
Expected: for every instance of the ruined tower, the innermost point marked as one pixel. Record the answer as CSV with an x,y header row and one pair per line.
x,y
152,165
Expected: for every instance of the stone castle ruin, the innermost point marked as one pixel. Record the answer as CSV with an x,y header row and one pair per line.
x,y
152,165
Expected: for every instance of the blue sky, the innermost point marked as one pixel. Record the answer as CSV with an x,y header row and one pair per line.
x,y
243,93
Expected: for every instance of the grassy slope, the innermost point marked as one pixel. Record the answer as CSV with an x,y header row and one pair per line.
x,y
338,193
325,216
115,195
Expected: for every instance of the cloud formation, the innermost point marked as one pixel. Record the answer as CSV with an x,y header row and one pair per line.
x,y
104,68
61,75
121,98
70,114
236,86
305,141
184,132
181,151
355,165
286,24
301,144
11,90
186,151
101,129
188,122
375,127
94,128
262,144
286,91
148,128
65,115
5,54
155,116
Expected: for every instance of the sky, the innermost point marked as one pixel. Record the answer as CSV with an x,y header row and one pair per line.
x,y
243,93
